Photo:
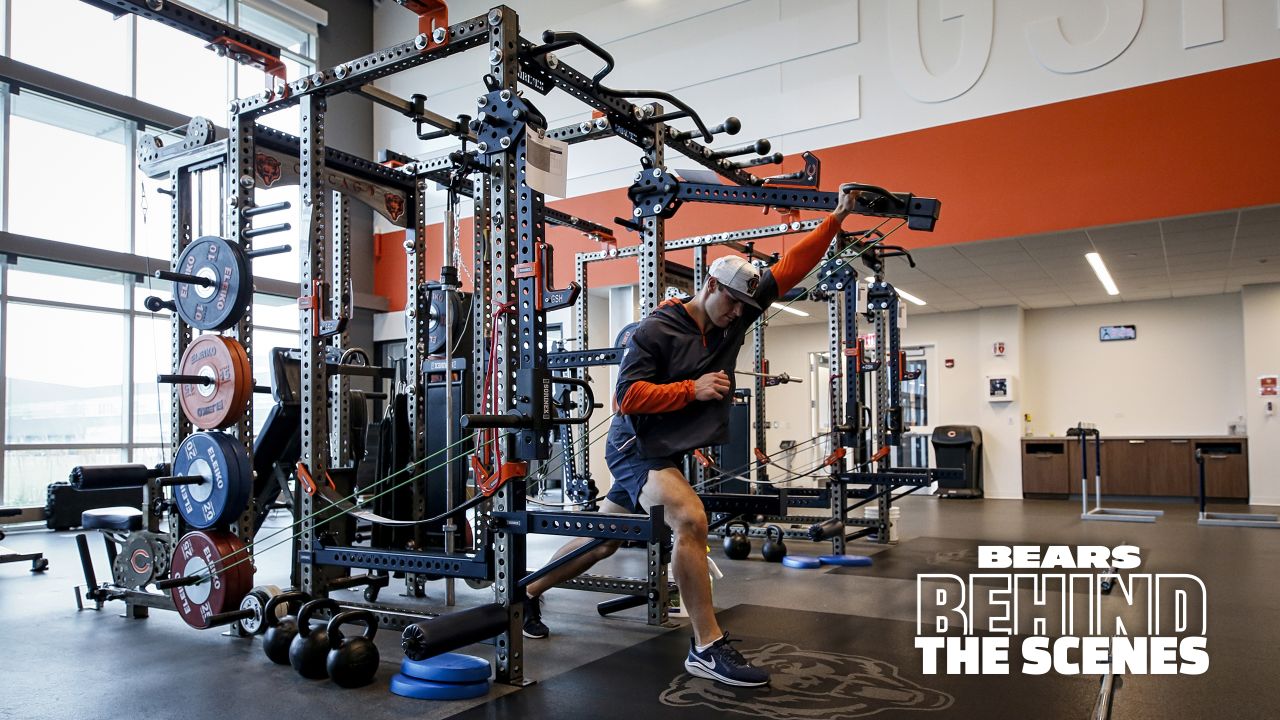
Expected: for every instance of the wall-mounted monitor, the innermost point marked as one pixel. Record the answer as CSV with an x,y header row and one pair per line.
x,y
1107,333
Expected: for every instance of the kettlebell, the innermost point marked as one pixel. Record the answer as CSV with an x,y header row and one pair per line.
x,y
281,630
774,549
352,661
737,546
308,650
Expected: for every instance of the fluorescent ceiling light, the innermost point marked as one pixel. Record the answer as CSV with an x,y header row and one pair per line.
x,y
788,308
909,297
1100,269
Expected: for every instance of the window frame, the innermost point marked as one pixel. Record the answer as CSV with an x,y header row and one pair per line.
x,y
128,262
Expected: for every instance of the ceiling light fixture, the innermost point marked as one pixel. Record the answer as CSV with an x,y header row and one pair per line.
x,y
909,297
1100,269
788,308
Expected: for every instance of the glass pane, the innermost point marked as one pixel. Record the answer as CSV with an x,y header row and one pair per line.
x,y
65,376
151,401
176,71
277,31
27,473
74,39
151,456
207,204
154,213
251,81
263,342
273,311
91,205
43,280
216,8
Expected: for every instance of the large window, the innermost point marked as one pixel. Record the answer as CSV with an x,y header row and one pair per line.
x,y
80,359
69,171
78,352
73,39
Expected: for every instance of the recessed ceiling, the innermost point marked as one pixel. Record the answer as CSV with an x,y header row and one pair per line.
x,y
1176,257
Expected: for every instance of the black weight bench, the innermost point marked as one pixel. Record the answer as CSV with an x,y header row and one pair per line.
x,y
123,519
38,561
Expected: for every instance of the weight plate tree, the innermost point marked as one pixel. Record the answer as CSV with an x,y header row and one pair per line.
x,y
220,404
221,303
228,482
220,559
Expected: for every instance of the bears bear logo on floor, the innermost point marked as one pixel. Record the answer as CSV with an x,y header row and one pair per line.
x,y
809,685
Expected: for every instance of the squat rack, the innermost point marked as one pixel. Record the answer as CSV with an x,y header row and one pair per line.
x,y
510,243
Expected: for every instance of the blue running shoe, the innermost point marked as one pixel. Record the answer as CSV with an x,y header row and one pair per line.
x,y
723,663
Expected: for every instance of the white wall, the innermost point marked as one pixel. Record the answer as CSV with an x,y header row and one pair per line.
x,y
859,69
1184,375
1181,376
1261,306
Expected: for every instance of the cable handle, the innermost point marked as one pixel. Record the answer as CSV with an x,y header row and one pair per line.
x,y
590,403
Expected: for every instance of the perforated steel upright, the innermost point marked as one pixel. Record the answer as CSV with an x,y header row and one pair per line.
x,y
418,312
653,236
759,421
510,240
841,367
340,306
239,190
314,385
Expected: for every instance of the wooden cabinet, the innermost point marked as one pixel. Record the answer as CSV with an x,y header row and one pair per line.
x,y
1131,466
1171,467
1044,467
1226,468
1124,467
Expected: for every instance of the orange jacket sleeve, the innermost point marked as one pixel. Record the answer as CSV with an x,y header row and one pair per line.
x,y
644,397
804,256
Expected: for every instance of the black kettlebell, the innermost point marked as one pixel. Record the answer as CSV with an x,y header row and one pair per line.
x,y
737,546
352,661
774,549
281,630
308,650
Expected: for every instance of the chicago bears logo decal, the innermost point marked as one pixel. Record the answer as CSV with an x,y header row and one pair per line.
x,y
809,685
267,168
394,204
752,284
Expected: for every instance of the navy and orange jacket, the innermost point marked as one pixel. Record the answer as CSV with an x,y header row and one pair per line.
x,y
668,351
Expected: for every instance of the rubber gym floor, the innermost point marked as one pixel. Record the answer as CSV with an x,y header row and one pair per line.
x,y
60,663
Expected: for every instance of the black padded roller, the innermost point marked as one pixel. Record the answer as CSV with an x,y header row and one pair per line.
x,y
450,632
826,529
103,477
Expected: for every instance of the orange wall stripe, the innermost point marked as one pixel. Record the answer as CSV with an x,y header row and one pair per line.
x,y
1192,145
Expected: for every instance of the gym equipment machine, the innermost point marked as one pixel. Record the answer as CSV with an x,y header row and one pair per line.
x,y
38,561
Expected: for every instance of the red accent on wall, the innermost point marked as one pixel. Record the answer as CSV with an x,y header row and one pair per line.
x,y
1192,145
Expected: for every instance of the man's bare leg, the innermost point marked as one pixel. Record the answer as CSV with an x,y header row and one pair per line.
x,y
578,565
685,514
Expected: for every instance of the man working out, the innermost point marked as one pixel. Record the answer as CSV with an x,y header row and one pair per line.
x,y
673,394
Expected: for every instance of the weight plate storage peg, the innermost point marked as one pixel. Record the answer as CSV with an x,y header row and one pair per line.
x,y
220,560
224,464
221,402
220,301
